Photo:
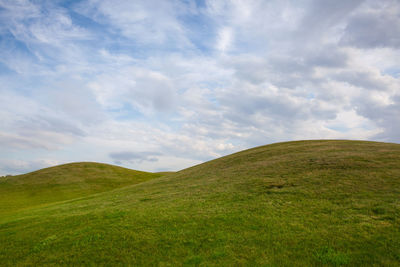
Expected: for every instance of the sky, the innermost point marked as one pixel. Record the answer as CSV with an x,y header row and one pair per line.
x,y
163,85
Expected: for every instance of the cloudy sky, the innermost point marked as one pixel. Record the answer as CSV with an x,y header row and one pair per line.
x,y
163,85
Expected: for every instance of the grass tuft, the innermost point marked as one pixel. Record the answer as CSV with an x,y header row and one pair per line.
x,y
328,256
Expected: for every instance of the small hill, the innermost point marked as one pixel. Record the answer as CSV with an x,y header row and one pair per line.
x,y
305,203
64,182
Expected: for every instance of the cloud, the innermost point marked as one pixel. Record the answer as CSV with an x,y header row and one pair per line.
x,y
26,123
145,90
369,80
39,26
385,115
20,142
225,39
321,15
12,166
105,80
45,24
143,22
120,157
376,26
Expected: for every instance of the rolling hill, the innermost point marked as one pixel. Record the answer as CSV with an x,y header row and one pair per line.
x,y
64,182
304,203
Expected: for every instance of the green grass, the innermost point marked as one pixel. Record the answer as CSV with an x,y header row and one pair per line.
x,y
305,203
64,182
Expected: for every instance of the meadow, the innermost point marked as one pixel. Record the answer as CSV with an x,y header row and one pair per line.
x,y
303,203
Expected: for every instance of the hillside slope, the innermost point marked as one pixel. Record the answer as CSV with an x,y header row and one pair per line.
x,y
64,182
306,203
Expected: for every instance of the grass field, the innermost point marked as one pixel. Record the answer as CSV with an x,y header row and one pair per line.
x,y
304,203
64,182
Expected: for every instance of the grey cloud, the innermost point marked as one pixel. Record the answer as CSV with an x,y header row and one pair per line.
x,y
35,139
129,156
320,17
30,125
387,117
328,56
362,79
154,90
249,68
145,90
284,71
12,166
250,114
48,124
74,102
20,142
291,69
303,60
374,29
280,107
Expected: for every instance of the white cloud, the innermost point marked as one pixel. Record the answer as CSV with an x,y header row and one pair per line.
x,y
190,81
13,166
145,22
145,90
225,39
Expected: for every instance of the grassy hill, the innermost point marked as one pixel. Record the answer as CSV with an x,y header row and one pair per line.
x,y
64,182
305,203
